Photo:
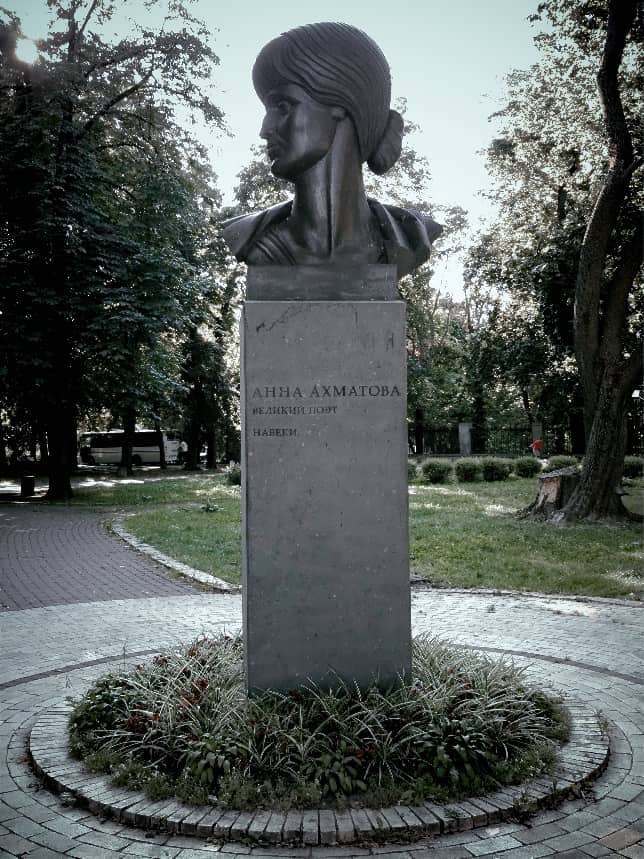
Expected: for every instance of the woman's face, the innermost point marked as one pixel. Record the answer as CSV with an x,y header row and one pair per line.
x,y
298,130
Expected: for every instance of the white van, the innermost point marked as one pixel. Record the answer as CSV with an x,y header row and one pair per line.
x,y
105,448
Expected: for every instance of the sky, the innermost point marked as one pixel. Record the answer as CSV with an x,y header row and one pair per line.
x,y
448,60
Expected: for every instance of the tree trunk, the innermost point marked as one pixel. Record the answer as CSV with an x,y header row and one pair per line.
x,y
233,445
419,432
577,432
129,427
4,462
44,449
193,439
597,495
61,428
211,447
162,463
479,424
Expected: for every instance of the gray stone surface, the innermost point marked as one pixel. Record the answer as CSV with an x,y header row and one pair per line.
x,y
324,452
321,283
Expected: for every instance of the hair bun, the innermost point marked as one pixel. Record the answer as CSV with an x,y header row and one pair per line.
x,y
387,152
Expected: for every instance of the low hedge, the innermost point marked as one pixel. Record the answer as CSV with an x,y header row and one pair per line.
x,y
495,468
555,463
436,470
412,472
468,470
526,466
633,466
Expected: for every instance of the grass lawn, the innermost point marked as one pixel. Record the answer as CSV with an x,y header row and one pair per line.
x,y
146,488
206,536
462,535
465,535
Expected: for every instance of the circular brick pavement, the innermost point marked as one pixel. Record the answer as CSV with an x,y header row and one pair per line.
x,y
593,650
582,759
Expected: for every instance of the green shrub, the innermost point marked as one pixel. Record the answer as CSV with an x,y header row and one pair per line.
x,y
557,462
633,466
495,468
436,470
468,470
412,471
459,725
526,466
233,475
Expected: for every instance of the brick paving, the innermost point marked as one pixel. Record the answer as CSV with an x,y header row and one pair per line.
x,y
57,556
49,650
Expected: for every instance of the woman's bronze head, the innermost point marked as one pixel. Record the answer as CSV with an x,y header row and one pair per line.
x,y
338,65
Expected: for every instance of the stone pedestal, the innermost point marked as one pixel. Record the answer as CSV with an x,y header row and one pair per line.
x,y
465,439
324,462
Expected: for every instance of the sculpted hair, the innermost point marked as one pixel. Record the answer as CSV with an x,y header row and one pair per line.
x,y
337,64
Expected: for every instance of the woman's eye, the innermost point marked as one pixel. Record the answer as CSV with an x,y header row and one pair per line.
x,y
283,107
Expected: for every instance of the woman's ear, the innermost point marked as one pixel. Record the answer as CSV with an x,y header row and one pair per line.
x,y
338,112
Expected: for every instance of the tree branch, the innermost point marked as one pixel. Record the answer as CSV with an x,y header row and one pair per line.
x,y
90,12
134,52
115,100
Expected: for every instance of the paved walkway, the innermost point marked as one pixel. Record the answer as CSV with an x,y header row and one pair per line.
x,y
56,556
66,626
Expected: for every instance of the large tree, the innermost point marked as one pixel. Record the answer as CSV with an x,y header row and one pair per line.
x,y
608,341
73,130
569,236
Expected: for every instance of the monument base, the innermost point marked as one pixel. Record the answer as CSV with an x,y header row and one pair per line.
x,y
324,494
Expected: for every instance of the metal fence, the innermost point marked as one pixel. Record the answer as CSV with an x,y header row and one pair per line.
x,y
512,441
499,441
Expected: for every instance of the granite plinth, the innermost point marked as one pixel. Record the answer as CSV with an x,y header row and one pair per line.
x,y
324,495
321,283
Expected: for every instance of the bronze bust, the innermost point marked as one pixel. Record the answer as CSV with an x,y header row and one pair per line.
x,y
326,89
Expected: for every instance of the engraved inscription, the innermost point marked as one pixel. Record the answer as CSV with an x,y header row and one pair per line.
x,y
261,406
318,391
294,410
275,432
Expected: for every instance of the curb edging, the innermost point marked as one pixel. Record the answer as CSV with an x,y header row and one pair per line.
x,y
581,760
214,582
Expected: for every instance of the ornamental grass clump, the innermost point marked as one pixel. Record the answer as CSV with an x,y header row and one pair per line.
x,y
462,724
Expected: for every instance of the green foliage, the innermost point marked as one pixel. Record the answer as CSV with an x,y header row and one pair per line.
x,y
448,730
526,466
233,475
468,470
103,706
436,470
106,219
555,463
633,466
495,468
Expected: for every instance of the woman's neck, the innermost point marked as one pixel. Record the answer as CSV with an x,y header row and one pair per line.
x,y
330,215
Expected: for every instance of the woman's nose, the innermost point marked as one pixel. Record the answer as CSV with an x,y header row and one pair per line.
x,y
268,125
